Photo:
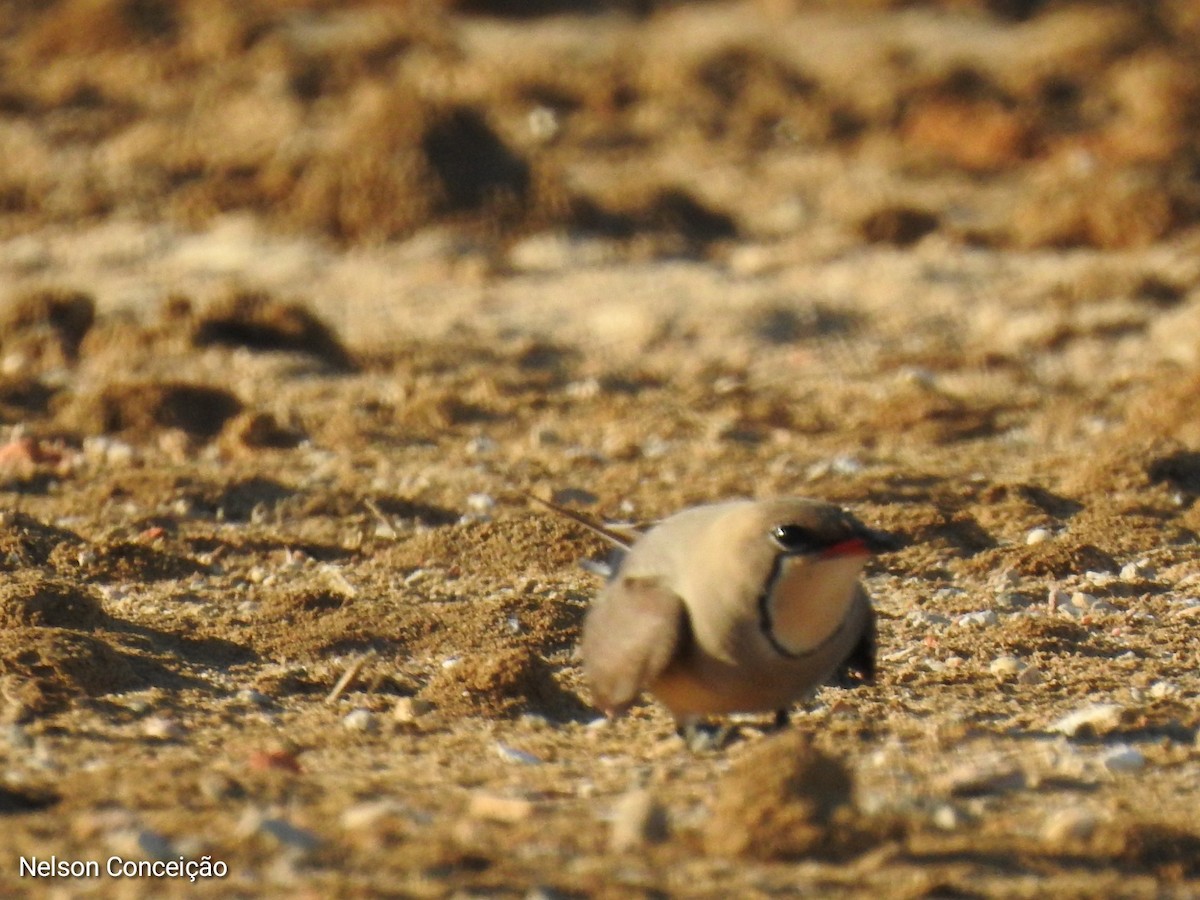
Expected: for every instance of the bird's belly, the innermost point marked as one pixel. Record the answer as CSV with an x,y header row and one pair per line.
x,y
713,689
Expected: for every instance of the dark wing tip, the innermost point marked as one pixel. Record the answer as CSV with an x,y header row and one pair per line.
x,y
858,668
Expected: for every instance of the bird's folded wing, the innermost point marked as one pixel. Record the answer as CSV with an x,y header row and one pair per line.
x,y
632,632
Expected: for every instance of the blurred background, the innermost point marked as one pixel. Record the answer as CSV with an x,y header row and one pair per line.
x,y
663,127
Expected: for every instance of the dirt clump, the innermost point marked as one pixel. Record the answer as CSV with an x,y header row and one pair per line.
x,y
897,225
501,683
783,799
44,327
23,397
399,161
142,410
258,321
1058,558
109,561
49,603
26,542
44,669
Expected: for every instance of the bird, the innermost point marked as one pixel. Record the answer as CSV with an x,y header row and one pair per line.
x,y
740,606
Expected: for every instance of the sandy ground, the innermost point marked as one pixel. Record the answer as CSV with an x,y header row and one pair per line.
x,y
299,297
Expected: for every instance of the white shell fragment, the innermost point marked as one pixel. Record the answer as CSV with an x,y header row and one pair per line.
x,y
927,619
162,728
1162,689
360,720
1038,536
1123,758
981,619
1006,666
1099,719
514,755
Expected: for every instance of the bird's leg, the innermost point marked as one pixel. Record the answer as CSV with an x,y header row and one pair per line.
x,y
703,737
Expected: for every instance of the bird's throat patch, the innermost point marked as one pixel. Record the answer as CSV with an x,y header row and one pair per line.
x,y
807,600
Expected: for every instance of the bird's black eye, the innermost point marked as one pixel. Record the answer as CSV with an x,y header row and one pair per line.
x,y
796,538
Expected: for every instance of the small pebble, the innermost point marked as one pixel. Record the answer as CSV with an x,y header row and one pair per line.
x,y
1123,758
1009,600
132,841
1037,536
638,819
1030,675
16,737
585,389
289,835
154,845
1081,600
1161,689
919,376
360,720
251,697
496,808
369,813
843,464
655,448
218,787
544,437
1101,579
1069,825
1007,665
948,818
980,619
409,709
1005,578
162,728
1132,572
478,446
1098,719
274,760
926,618
513,755
337,581
480,503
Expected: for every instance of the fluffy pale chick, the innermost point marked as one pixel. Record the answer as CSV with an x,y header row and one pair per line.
x,y
743,606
